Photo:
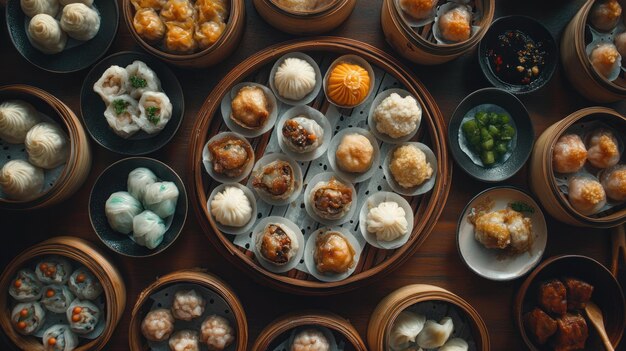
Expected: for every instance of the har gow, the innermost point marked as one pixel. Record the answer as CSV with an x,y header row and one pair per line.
x,y
31,8
603,149
161,198
605,14
20,180
231,207
155,110
16,119
138,181
120,210
80,21
405,329
113,82
418,9
435,334
454,23
120,115
148,229
614,182
606,60
456,344
47,145
142,79
45,34
569,154
586,195
294,78
620,43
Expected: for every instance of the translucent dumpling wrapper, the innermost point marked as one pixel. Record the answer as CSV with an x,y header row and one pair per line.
x,y
161,198
53,270
32,8
149,25
59,337
418,13
216,333
294,78
45,34
586,194
207,33
47,145
155,110
142,79
83,316
604,149
84,285
121,113
57,298
80,21
453,23
569,154
187,305
605,14
435,334
614,182
26,287
20,180
405,329
158,325
185,340
455,344
148,229
120,209
138,181
231,207
17,117
212,10
28,317
605,59
387,221
113,82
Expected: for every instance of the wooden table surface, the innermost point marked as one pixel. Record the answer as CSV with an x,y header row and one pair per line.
x,y
437,261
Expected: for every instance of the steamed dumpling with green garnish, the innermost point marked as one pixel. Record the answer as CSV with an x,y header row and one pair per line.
x,y
155,110
161,198
120,209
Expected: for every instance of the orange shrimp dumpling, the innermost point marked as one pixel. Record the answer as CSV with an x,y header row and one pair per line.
x,y
455,24
207,33
149,25
178,10
148,4
212,10
419,9
179,38
348,84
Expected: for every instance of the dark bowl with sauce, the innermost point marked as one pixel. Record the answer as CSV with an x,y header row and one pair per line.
x,y
504,67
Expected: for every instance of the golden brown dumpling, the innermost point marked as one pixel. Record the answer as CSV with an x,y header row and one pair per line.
x,y
250,108
148,25
333,253
179,38
355,153
148,4
212,10
207,33
178,10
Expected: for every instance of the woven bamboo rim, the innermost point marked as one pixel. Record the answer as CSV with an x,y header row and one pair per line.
x,y
313,22
326,9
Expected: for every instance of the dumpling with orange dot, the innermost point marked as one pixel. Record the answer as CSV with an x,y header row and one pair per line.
x,y
84,285
28,317
348,84
53,270
59,337
57,298
453,23
83,316
25,287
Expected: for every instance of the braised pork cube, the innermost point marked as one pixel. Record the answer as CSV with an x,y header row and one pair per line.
x,y
571,333
578,293
540,325
553,297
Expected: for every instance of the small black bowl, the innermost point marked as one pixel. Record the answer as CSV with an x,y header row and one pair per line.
x,y
114,179
534,30
92,107
77,55
523,126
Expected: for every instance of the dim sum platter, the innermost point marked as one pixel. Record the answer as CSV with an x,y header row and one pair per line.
x,y
373,262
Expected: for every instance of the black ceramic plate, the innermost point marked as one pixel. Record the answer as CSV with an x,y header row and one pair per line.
x,y
523,126
114,179
77,55
92,107
534,30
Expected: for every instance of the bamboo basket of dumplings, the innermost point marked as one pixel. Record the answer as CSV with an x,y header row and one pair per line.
x,y
418,44
324,19
577,65
198,277
84,253
387,311
544,183
78,165
283,328
215,53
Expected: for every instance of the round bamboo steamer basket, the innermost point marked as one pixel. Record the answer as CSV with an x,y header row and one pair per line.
x,y
79,161
421,47
390,307
577,66
219,51
374,263
188,276
316,22
541,175
285,324
86,254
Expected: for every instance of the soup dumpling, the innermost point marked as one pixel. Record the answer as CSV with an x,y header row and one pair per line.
x,y
17,117
47,145
19,180
46,35
80,21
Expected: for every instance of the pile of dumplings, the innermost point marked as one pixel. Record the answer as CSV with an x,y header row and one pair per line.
x,y
134,99
46,144
608,46
52,21
411,331
159,325
142,210
53,291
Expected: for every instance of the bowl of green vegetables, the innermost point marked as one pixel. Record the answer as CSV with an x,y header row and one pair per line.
x,y
491,135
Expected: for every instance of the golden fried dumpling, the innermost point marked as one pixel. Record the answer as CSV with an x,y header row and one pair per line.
x,y
212,10
148,4
333,253
230,156
348,84
178,10
207,33
179,38
250,108
149,25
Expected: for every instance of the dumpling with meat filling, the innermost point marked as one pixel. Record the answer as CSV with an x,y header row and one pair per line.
x,y
28,317
84,284
149,25
53,270
435,334
302,134
185,340
503,229
207,33
59,337
606,60
332,199
277,244
231,207
355,153
230,156
155,111
80,21
275,180
605,14
113,82
569,154
614,182
250,108
177,11
216,333
187,305
26,287
310,339
158,325
83,316
121,114
45,34
17,117
179,38
212,10
333,253
142,79
57,298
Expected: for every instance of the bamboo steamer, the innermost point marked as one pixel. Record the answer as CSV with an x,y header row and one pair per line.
x,y
577,66
390,307
281,329
306,23
86,254
79,161
193,276
420,47
219,51
541,175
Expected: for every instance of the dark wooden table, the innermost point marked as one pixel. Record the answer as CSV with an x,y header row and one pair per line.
x,y
437,261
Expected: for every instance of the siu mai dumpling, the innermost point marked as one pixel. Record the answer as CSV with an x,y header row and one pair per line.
x,y
149,25
250,108
603,149
185,340
179,38
614,182
333,253
158,325
177,11
586,195
187,305
212,10
148,4
217,333
569,154
208,33
348,84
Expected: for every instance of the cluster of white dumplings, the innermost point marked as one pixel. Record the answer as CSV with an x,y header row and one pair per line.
x,y
49,25
411,331
46,144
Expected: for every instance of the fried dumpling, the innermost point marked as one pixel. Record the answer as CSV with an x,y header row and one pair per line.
x,y
250,108
455,24
230,156
333,253
332,199
276,180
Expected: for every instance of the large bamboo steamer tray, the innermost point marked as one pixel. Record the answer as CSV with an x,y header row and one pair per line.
x,y
79,161
577,66
390,307
216,53
188,276
316,22
374,263
281,328
421,47
88,255
541,174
